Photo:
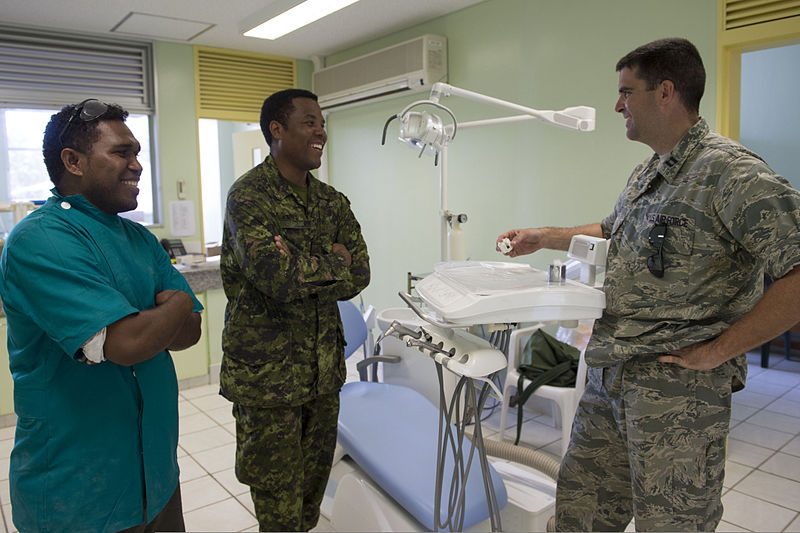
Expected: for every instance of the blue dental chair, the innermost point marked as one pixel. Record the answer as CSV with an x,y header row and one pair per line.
x,y
390,432
356,333
355,329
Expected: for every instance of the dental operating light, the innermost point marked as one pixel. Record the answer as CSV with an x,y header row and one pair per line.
x,y
423,130
427,132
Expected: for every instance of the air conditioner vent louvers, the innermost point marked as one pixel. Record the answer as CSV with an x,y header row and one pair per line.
x,y
409,66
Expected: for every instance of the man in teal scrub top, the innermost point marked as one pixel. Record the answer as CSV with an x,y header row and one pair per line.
x,y
93,306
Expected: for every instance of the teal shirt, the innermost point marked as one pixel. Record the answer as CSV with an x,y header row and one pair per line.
x,y
91,440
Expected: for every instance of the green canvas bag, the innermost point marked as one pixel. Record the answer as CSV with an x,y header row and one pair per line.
x,y
545,360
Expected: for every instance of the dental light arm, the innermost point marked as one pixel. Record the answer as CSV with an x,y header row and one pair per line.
x,y
580,118
426,130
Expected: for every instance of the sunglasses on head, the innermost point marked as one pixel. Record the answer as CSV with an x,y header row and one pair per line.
x,y
87,111
655,263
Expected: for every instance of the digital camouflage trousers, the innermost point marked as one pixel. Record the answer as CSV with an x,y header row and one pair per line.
x,y
648,442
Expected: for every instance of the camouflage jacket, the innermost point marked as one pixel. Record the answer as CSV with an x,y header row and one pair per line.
x,y
729,219
283,341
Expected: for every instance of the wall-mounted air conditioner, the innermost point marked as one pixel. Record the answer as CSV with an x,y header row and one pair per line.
x,y
409,66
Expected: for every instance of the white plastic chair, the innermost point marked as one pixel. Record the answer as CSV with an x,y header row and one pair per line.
x,y
565,399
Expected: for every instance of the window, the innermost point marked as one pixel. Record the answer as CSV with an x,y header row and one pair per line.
x,y
40,72
24,174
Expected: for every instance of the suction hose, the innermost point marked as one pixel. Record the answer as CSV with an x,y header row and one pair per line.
x,y
525,456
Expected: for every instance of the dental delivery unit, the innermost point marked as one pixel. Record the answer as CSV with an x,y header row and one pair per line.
x,y
389,473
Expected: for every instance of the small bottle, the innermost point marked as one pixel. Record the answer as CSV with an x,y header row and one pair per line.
x,y
455,239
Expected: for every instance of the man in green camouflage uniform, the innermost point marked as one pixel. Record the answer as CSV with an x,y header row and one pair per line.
x,y
690,238
291,248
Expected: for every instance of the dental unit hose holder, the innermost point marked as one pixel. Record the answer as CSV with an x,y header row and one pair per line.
x,y
476,362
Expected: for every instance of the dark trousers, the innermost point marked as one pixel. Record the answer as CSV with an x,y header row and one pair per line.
x,y
169,519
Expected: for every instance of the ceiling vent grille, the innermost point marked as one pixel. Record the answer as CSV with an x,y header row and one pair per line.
x,y
232,85
742,13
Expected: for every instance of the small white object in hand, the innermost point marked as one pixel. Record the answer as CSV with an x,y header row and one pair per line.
x,y
504,245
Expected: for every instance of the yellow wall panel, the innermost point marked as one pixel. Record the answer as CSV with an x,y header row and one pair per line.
x,y
232,85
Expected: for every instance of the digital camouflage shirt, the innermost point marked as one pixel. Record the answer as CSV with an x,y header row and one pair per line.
x,y
729,218
283,340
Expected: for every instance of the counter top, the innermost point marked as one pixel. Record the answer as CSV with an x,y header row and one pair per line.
x,y
202,276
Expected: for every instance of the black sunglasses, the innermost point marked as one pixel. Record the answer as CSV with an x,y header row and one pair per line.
x,y
88,110
655,263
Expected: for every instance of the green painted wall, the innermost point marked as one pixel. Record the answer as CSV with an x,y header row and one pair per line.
x,y
176,131
544,54
304,70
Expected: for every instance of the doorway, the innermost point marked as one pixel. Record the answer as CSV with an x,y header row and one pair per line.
x,y
769,112
227,150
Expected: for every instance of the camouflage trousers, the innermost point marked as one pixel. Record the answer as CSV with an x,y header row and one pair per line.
x,y
648,442
284,454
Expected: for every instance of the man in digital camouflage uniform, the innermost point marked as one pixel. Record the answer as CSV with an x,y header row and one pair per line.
x,y
690,238
291,248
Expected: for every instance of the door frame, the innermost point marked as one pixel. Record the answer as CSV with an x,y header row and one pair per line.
x,y
731,43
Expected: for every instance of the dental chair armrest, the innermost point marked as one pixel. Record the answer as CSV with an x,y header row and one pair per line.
x,y
362,365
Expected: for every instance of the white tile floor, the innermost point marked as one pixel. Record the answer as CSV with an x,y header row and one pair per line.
x,y
762,483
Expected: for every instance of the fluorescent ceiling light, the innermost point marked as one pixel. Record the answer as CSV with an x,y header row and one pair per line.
x,y
297,17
